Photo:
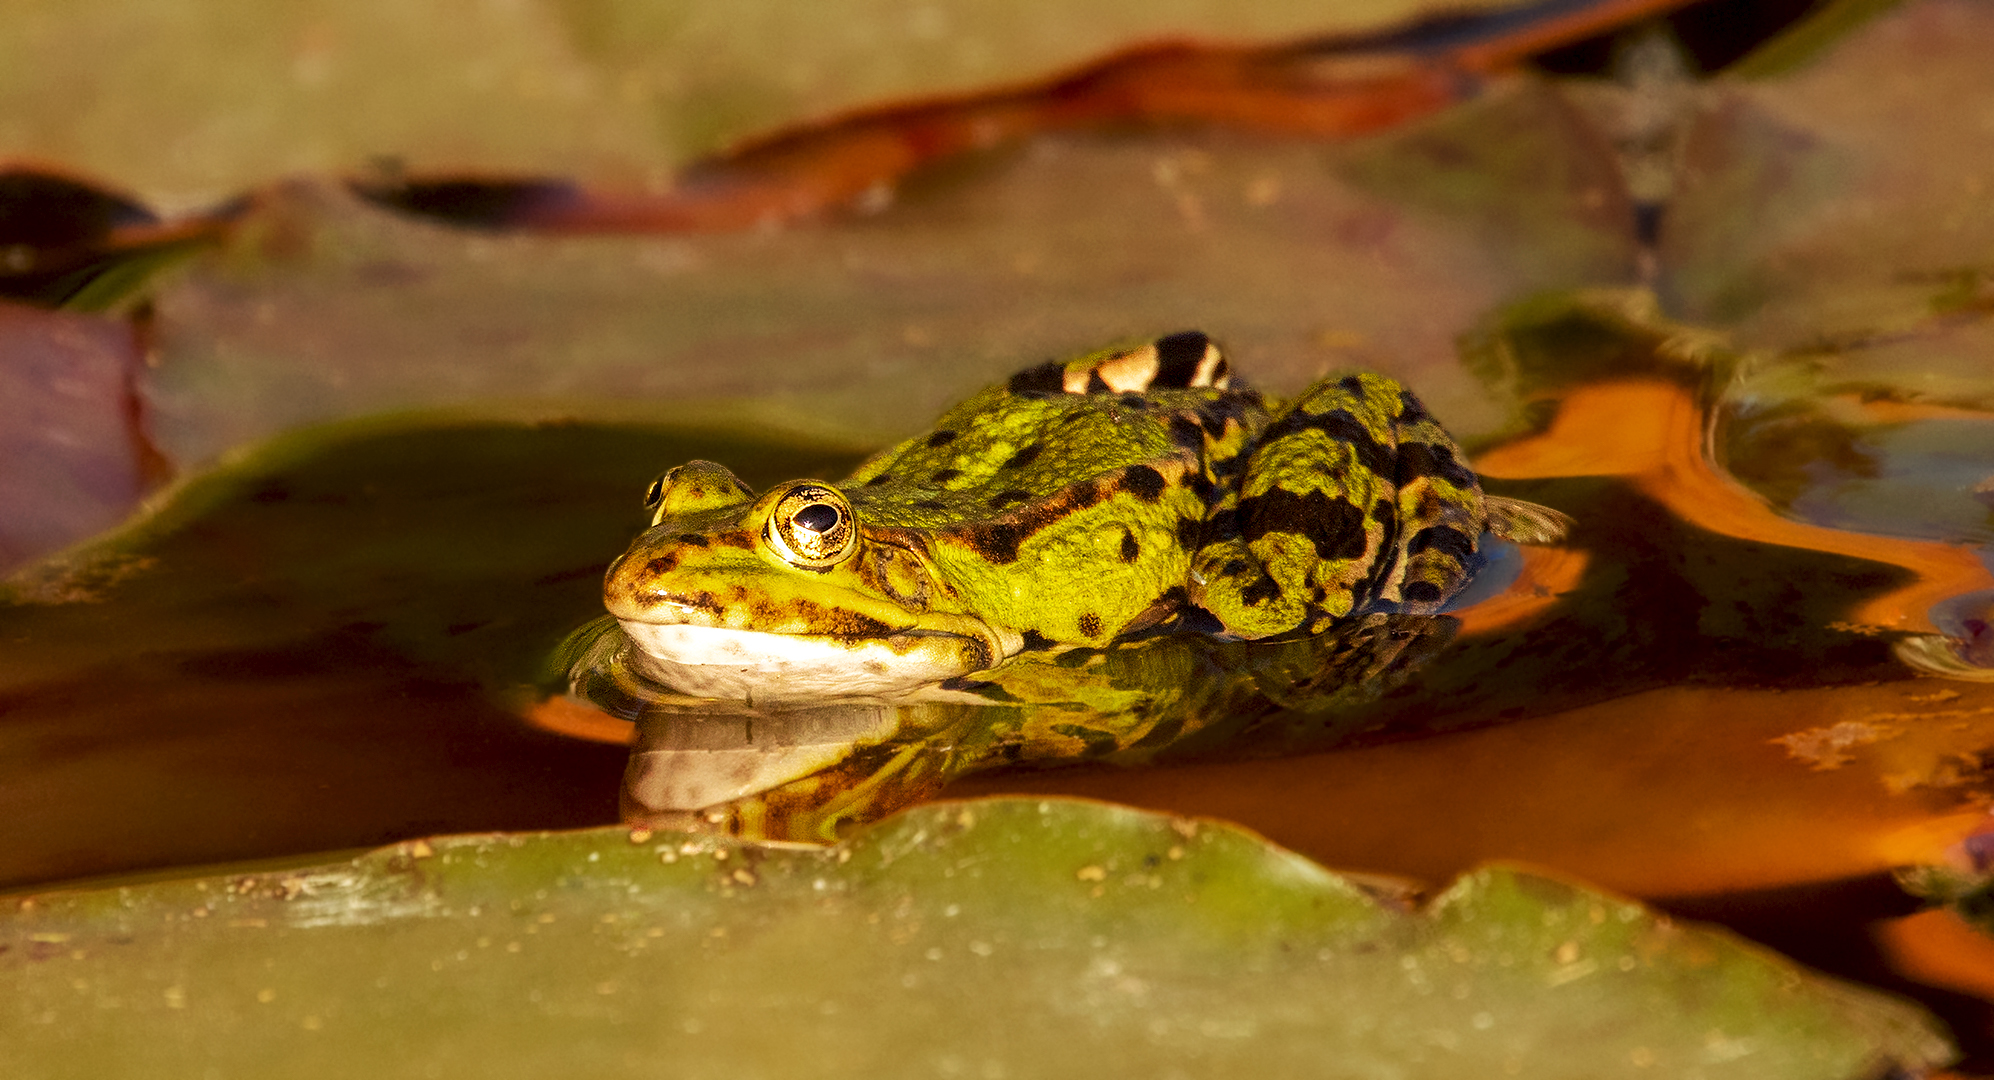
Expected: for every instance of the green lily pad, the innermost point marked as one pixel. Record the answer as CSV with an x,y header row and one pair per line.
x,y
195,101
1302,258
999,938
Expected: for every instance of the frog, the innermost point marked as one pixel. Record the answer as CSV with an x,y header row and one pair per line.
x,y
1127,492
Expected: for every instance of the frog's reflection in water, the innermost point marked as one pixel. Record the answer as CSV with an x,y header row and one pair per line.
x,y
811,772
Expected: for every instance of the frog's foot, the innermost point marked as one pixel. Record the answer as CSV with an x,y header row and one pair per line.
x,y
756,666
1525,522
1230,581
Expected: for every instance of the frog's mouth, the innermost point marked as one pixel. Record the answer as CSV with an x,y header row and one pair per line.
x,y
760,666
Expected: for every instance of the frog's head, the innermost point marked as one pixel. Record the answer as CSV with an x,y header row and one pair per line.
x,y
786,596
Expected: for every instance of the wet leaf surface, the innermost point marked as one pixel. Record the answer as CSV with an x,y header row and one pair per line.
x,y
74,457
321,307
594,89
1046,938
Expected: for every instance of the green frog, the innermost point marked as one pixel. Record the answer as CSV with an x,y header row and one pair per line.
x,y
1128,492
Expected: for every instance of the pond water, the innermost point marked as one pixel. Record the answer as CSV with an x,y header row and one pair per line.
x,y
1692,699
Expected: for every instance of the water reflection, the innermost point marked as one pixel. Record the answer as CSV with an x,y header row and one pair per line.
x,y
813,772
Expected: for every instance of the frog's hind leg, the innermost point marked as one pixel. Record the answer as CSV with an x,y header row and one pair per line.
x,y
1351,499
1178,361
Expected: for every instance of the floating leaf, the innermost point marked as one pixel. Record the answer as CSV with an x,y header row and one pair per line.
x,y
197,101
1003,938
74,457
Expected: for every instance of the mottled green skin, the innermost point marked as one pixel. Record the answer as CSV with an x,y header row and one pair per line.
x,y
1057,518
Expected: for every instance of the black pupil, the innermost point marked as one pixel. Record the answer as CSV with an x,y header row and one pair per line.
x,y
653,493
817,517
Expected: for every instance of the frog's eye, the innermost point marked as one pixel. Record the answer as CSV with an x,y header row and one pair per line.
x,y
691,488
812,527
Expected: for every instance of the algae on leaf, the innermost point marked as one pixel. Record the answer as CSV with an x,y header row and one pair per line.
x,y
996,938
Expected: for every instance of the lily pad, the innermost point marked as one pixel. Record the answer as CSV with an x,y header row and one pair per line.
x,y
1300,258
190,102
72,460
991,939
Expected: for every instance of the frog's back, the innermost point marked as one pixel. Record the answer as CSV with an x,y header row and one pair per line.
x,y
1061,428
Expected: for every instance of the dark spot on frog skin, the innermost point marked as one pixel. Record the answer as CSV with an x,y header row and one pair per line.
x,y
1343,427
1036,642
997,542
663,564
1410,410
1024,457
943,476
1260,591
1047,378
1232,408
1005,498
1448,541
1418,460
821,619
692,540
1090,624
1178,357
1130,549
1334,526
1221,527
1142,481
1233,567
940,439
1204,489
932,504
882,478
1188,532
1420,592
1186,432
984,657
